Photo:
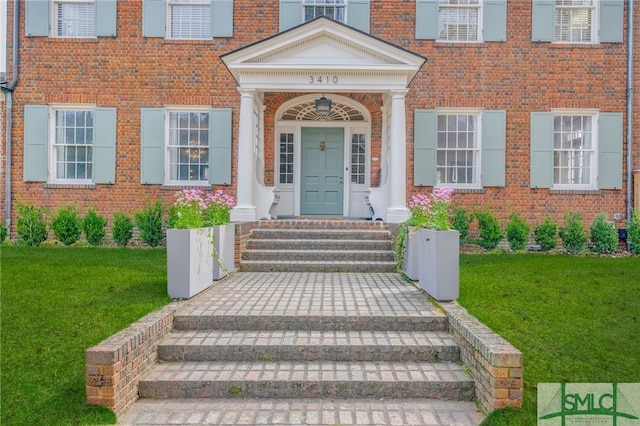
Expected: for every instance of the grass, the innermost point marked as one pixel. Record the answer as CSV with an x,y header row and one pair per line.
x,y
56,303
575,319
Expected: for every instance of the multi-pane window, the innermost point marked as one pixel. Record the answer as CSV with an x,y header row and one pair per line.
x,y
74,18
459,20
190,19
189,147
574,21
286,157
73,145
573,150
458,149
358,150
334,9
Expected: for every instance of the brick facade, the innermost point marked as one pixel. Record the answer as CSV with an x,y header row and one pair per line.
x,y
130,72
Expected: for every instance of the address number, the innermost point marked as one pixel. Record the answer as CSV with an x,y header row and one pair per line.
x,y
323,79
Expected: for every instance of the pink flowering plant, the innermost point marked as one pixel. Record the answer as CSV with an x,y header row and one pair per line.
x,y
196,208
432,211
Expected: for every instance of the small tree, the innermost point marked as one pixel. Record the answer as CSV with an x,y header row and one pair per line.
x,y
149,222
461,222
31,224
517,232
67,225
545,235
573,234
633,232
488,230
93,226
122,229
604,236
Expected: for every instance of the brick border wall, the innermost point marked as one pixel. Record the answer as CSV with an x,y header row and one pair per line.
x,y
243,232
115,365
496,366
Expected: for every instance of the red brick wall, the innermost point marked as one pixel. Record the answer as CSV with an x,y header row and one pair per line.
x,y
130,72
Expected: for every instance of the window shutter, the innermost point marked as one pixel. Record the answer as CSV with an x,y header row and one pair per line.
x,y
610,151
152,145
544,20
358,14
611,21
36,18
493,148
153,18
541,172
424,147
427,19
36,143
222,18
105,16
104,145
495,20
220,146
290,14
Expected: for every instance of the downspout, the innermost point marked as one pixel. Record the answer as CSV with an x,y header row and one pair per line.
x,y
629,110
11,87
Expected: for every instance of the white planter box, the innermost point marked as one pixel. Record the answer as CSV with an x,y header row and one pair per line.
x,y
411,265
223,250
440,263
189,261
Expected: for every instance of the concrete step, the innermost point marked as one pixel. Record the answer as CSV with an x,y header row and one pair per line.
x,y
316,244
291,255
320,223
320,234
315,266
444,380
216,345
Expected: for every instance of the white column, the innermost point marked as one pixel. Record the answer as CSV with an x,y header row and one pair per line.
x,y
397,211
245,209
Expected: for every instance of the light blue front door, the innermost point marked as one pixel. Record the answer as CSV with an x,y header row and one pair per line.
x,y
322,166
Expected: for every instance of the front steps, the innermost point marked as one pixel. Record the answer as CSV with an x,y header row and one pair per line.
x,y
316,245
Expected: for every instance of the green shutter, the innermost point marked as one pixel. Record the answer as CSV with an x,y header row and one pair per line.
x,y
358,14
494,139
36,18
427,19
611,21
610,151
105,17
152,145
541,172
222,18
290,14
36,143
495,20
544,20
153,18
424,147
104,145
220,146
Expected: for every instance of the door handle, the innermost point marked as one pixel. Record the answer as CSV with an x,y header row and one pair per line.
x,y
341,182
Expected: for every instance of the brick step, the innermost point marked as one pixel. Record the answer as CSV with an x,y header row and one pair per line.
x,y
316,266
320,234
316,244
444,380
320,255
323,224
426,346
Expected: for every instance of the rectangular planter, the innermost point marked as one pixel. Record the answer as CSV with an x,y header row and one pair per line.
x,y
189,261
440,263
411,264
223,250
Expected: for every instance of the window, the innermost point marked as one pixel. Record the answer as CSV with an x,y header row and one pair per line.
x,y
573,151
74,18
334,9
188,146
358,160
574,21
459,20
73,145
458,149
190,19
286,158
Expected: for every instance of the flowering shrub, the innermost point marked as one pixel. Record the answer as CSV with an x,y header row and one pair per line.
x,y
432,211
195,208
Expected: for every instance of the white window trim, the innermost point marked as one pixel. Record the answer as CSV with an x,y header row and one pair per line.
x,y
595,25
52,179
167,169
169,22
53,24
595,148
480,38
478,168
304,4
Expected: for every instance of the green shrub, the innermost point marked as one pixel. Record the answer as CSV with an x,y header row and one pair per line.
x,y
93,226
488,230
149,222
517,232
122,229
545,235
31,224
573,234
633,232
3,232
67,225
604,235
461,222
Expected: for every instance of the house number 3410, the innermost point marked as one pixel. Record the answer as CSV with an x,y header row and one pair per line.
x,y
320,79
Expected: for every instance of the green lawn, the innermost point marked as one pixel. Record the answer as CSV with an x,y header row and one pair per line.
x,y
575,319
56,303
